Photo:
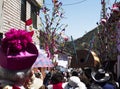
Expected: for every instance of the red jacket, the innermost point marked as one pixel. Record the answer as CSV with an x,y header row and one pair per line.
x,y
57,86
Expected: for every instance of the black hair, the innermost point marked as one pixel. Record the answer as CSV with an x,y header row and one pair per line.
x,y
57,78
74,73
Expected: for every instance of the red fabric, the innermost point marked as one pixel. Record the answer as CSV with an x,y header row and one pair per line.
x,y
29,22
15,87
31,33
57,86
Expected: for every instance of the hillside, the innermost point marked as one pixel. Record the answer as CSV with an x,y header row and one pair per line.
x,y
82,42
85,40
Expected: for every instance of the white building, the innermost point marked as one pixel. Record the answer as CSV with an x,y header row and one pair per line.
x,y
15,13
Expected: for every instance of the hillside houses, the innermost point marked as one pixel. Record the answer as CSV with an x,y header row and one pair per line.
x,y
20,14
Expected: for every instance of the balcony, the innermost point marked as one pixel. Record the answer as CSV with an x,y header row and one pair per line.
x,y
38,3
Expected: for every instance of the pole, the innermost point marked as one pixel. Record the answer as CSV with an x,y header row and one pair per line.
x,y
90,48
74,49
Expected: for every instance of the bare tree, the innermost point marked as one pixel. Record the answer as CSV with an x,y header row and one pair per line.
x,y
51,32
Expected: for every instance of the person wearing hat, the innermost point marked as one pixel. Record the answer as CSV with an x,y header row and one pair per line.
x,y
101,79
17,55
74,83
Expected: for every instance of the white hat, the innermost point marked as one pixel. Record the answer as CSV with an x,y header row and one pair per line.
x,y
75,83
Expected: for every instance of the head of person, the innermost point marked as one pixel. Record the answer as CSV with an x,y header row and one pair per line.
x,y
100,76
57,78
75,83
17,55
74,73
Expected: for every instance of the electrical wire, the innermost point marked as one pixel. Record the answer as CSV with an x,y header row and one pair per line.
x,y
70,4
74,3
115,1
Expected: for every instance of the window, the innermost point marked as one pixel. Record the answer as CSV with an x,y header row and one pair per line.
x,y
1,36
23,10
34,16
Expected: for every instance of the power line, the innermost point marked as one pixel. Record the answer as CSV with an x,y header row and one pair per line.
x,y
74,3
69,4
115,1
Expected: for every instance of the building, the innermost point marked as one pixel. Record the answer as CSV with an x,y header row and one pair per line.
x,y
20,14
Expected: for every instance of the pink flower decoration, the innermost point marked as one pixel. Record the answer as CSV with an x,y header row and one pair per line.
x,y
16,41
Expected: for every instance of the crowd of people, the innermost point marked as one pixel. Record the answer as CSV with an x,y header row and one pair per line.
x,y
77,78
18,54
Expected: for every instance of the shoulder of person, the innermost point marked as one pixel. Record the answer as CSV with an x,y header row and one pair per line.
x,y
64,85
109,86
82,85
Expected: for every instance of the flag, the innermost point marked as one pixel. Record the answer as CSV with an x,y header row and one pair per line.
x,y
31,33
90,48
28,22
29,27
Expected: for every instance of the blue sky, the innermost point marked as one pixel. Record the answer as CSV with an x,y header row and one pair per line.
x,y
81,17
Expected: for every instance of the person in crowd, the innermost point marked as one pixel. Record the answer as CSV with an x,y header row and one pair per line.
x,y
43,87
88,79
17,55
113,81
84,79
102,80
65,75
56,81
88,71
46,80
74,83
35,81
74,73
68,74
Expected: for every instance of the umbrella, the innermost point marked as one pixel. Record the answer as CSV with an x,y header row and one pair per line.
x,y
43,61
